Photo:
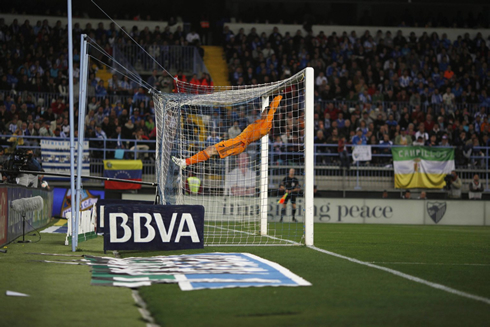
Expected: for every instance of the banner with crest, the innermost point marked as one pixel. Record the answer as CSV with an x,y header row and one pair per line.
x,y
422,166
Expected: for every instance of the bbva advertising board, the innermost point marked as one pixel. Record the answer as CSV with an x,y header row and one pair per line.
x,y
103,202
153,227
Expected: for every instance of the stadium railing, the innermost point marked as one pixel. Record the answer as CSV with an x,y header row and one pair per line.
x,y
377,174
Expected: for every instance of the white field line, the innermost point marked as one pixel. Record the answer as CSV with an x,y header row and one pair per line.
x,y
142,308
407,276
430,263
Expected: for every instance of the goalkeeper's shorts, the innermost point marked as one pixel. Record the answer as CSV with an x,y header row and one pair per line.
x,y
237,145
230,147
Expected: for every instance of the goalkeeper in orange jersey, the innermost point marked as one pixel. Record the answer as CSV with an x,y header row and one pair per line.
x,y
237,145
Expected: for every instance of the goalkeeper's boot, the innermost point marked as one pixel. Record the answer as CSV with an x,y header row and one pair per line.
x,y
179,162
294,219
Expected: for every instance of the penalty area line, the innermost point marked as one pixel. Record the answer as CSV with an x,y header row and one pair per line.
x,y
406,276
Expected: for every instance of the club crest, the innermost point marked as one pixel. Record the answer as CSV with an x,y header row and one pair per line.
x,y
436,210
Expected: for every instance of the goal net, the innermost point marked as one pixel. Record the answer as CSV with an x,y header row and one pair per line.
x,y
259,191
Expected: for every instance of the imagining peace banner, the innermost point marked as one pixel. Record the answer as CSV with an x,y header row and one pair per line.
x,y
422,166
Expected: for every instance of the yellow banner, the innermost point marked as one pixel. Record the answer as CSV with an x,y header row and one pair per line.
x,y
420,180
123,164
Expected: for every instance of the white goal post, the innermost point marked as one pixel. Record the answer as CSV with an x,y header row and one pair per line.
x,y
241,191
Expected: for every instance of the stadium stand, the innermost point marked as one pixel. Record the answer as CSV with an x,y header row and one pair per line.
x,y
388,85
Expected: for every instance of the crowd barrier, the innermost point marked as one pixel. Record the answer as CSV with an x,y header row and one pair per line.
x,y
374,175
11,222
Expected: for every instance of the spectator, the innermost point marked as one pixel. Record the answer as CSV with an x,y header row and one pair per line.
x,y
192,37
343,153
241,181
419,141
100,90
212,139
99,133
45,130
454,186
449,99
359,138
193,184
444,141
321,79
422,133
234,130
475,188
385,144
320,142
58,107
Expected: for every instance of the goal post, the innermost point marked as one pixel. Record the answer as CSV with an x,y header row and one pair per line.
x,y
309,156
264,172
256,190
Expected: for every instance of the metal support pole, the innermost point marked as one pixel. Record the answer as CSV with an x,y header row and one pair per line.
x,y
358,187
74,216
81,122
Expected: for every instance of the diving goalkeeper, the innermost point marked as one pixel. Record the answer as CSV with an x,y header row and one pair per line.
x,y
237,145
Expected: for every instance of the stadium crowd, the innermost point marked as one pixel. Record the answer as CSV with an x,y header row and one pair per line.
x,y
378,89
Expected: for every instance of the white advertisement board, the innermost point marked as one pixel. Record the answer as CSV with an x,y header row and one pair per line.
x,y
359,211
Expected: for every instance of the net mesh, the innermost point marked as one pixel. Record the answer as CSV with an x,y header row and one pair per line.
x,y
240,192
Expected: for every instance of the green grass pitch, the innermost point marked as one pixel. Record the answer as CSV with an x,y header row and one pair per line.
x,y
344,293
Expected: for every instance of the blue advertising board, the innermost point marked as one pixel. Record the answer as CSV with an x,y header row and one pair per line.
x,y
153,227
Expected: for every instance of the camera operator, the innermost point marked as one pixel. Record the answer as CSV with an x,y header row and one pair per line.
x,y
453,185
476,188
29,180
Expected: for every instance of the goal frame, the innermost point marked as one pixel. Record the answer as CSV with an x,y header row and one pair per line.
x,y
263,223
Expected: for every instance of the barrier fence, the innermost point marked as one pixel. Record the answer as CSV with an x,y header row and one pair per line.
x,y
374,175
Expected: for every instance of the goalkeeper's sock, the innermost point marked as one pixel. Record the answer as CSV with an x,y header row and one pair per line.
x,y
197,158
294,213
